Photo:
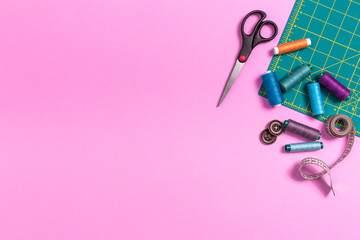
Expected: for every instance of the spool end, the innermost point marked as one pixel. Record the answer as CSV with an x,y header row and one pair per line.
x,y
308,41
319,136
348,98
309,65
287,148
268,72
320,116
282,88
286,123
321,74
276,51
321,145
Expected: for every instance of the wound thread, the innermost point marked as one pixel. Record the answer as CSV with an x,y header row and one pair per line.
x,y
295,77
303,147
292,46
317,105
302,130
272,88
334,86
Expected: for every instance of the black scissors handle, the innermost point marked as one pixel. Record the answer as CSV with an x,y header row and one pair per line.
x,y
254,38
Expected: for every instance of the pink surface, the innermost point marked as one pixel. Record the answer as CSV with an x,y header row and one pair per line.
x,y
109,128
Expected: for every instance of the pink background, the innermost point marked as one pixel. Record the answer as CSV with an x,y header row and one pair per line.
x,y
109,128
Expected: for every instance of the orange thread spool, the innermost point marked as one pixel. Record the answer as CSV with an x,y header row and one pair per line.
x,y
292,46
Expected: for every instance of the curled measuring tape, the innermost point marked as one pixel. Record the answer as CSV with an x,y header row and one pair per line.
x,y
347,130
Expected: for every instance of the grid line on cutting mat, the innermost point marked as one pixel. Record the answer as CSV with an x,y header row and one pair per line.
x,y
333,27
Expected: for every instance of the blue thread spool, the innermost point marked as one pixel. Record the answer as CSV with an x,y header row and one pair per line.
x,y
316,102
295,77
272,88
304,147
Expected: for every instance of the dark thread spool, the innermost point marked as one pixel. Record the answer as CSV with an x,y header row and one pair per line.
x,y
302,130
295,77
334,86
272,88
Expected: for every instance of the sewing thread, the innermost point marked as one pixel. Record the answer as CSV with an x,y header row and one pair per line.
x,y
334,86
301,130
292,46
317,105
272,88
295,77
303,147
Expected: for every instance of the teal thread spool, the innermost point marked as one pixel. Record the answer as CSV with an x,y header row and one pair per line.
x,y
304,147
317,105
272,88
295,77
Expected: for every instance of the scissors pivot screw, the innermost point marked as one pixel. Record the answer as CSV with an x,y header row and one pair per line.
x,y
242,58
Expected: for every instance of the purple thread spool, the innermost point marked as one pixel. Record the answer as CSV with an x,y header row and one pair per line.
x,y
334,86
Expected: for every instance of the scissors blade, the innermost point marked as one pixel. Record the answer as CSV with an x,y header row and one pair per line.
x,y
235,72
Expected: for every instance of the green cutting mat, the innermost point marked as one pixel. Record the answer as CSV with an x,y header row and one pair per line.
x,y
333,27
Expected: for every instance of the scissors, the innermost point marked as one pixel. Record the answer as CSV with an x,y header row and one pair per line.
x,y
249,42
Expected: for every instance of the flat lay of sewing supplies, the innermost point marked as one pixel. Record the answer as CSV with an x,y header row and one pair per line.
x,y
326,36
308,58
320,43
249,42
276,128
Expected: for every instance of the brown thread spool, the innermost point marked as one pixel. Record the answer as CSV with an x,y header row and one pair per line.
x,y
292,46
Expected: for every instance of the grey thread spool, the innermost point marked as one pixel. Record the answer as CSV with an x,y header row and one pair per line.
x,y
295,77
302,130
